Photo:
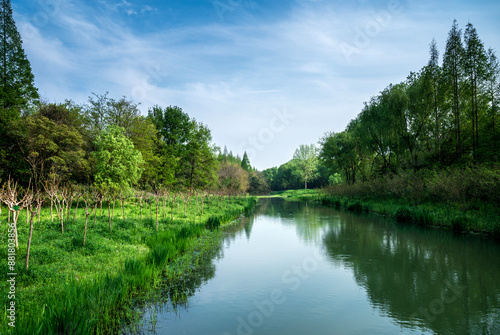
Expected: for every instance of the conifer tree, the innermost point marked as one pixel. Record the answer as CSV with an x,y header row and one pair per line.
x,y
475,67
453,75
17,88
245,162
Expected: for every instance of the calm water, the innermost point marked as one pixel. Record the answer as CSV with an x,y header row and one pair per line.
x,y
297,268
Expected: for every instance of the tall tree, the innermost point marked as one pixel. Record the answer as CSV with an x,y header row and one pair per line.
x,y
452,67
233,179
17,88
306,157
198,160
118,163
245,163
475,64
433,71
53,148
17,91
493,93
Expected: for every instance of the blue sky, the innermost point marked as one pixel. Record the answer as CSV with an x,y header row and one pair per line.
x,y
265,76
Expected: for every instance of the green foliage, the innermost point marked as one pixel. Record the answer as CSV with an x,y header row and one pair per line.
x,y
54,147
18,94
461,199
306,157
117,161
245,163
17,88
186,147
440,116
73,289
233,179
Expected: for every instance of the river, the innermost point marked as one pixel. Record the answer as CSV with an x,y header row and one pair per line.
x,y
301,268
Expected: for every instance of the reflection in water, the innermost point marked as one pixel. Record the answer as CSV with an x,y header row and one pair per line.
x,y
372,277
421,277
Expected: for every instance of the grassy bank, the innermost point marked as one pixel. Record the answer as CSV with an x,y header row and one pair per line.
x,y
485,219
74,289
463,200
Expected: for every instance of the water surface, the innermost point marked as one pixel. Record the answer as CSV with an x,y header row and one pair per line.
x,y
297,268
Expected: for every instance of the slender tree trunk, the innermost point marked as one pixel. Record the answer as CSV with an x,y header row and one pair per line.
x,y
85,230
62,219
109,214
29,240
157,213
172,210
39,208
140,205
123,210
95,213
150,208
14,220
76,209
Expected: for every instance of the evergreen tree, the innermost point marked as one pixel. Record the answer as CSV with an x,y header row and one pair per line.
x,y
434,74
493,93
475,64
17,92
17,88
245,163
453,73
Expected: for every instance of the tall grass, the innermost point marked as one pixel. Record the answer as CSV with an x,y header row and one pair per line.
x,y
75,289
462,199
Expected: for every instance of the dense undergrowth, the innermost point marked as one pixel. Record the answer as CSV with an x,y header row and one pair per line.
x,y
74,289
461,199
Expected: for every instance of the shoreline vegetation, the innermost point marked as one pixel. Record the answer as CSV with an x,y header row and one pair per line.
x,y
462,200
70,288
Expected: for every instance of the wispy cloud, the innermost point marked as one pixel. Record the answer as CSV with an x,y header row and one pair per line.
x,y
230,73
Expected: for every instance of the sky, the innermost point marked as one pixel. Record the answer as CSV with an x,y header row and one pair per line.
x,y
264,76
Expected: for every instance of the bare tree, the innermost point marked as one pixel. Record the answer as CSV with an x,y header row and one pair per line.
x,y
88,196
62,199
16,200
140,196
33,209
51,188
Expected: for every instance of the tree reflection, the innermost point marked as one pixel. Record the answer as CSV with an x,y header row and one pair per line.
x,y
421,277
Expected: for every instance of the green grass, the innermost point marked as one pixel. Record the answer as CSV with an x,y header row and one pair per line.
x,y
304,194
483,219
72,289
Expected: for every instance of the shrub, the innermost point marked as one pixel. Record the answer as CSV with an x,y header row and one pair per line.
x,y
403,215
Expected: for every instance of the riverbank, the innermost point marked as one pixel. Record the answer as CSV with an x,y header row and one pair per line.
x,y
74,289
480,218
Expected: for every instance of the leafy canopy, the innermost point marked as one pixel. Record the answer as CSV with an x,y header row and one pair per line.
x,y
118,163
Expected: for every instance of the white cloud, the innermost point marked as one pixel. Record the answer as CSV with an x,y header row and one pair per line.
x,y
233,76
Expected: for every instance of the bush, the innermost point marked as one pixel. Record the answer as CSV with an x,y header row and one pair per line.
x,y
403,215
355,207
